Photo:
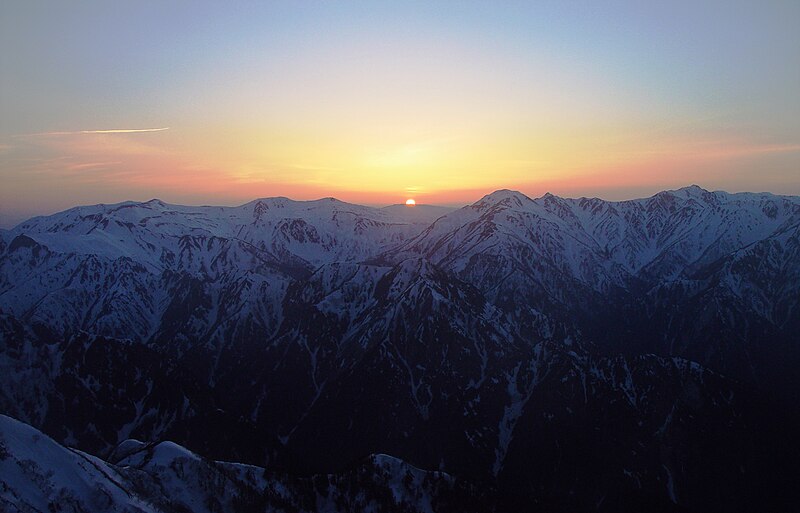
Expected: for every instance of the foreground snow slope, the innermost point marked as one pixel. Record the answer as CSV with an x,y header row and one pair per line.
x,y
39,475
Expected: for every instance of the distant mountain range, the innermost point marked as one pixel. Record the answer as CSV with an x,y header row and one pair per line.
x,y
542,354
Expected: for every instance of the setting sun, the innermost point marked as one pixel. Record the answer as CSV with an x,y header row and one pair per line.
x,y
410,202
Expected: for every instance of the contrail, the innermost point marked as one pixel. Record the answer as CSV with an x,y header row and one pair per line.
x,y
124,130
110,131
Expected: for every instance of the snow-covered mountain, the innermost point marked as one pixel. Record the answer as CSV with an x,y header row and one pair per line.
x,y
552,262
160,235
38,474
578,354
600,243
67,269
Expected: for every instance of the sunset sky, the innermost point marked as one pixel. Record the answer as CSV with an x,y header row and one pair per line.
x,y
376,102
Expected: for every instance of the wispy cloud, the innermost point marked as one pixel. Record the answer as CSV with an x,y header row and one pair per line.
x,y
125,130
109,131
92,165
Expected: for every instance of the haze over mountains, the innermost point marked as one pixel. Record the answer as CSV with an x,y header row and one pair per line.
x,y
561,354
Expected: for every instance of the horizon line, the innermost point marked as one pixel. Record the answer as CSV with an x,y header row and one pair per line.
x,y
454,206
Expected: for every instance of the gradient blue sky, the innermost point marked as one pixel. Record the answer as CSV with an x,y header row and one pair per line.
x,y
374,102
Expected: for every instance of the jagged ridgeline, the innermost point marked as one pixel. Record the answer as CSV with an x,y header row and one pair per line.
x,y
515,354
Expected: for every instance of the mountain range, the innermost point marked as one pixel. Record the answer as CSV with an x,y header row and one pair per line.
x,y
515,354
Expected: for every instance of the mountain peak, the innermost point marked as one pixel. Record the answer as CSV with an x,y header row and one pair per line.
x,y
506,196
262,205
693,190
269,199
501,194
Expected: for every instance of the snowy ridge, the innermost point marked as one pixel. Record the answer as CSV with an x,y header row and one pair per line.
x,y
133,255
600,242
313,231
513,342
37,474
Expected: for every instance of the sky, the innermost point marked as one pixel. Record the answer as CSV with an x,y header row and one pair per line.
x,y
375,102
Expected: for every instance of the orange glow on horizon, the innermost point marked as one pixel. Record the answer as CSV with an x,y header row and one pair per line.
x,y
236,166
376,106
